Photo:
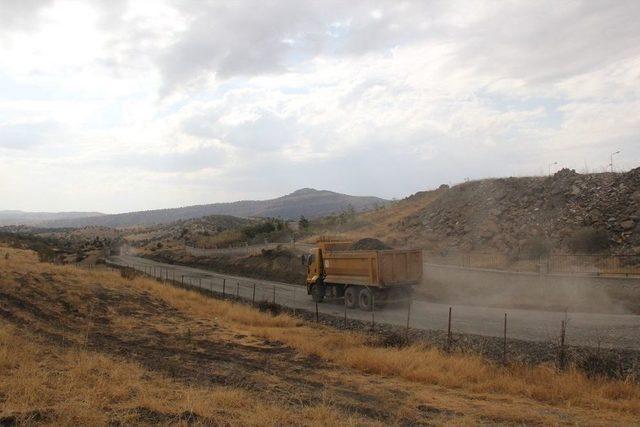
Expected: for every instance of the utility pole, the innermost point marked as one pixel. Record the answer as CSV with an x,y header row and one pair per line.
x,y
551,164
611,162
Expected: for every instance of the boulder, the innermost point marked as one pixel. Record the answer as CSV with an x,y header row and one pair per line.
x,y
628,224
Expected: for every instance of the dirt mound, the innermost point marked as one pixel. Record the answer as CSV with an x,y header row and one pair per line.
x,y
369,244
508,214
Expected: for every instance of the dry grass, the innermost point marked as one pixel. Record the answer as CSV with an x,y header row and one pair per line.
x,y
76,387
471,373
87,387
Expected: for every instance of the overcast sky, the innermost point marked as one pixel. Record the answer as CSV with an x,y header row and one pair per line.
x,y
127,105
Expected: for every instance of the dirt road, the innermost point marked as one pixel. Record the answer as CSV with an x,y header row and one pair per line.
x,y
586,329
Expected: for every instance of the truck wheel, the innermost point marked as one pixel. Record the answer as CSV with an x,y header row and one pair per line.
x,y
318,291
351,296
365,299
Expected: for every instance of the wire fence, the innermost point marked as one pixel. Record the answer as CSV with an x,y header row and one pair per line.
x,y
407,320
598,265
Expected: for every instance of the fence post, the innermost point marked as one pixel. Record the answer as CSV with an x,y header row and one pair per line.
x,y
294,301
182,280
345,313
237,289
449,332
274,294
408,315
224,282
504,343
562,355
253,297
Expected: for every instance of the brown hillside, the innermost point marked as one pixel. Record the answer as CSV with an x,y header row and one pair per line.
x,y
507,214
512,214
385,223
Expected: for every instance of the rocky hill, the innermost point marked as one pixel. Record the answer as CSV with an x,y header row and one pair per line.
x,y
566,211
308,202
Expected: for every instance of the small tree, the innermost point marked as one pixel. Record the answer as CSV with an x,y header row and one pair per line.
x,y
303,222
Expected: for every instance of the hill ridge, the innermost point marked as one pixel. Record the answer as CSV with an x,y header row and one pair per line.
x,y
309,202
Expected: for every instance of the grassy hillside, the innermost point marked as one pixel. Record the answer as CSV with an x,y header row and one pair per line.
x,y
90,347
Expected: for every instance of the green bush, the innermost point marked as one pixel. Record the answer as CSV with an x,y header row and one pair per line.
x,y
252,231
588,240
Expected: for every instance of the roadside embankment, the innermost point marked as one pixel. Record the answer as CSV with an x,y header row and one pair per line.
x,y
280,264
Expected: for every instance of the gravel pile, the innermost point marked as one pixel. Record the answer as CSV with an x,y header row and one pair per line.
x,y
369,244
506,214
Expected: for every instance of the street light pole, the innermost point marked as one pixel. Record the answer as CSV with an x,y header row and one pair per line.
x,y
551,164
611,164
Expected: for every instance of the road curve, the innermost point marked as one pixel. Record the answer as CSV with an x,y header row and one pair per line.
x,y
586,329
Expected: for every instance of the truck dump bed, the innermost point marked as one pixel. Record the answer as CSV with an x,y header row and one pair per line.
x,y
385,268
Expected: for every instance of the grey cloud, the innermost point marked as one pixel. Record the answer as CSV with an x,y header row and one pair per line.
x,y
537,42
247,38
544,42
198,158
267,132
21,14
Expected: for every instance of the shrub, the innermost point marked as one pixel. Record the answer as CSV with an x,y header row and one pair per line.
x,y
537,247
270,307
598,364
128,273
252,231
588,240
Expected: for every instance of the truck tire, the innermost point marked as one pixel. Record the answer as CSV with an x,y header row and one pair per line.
x,y
351,296
318,291
365,299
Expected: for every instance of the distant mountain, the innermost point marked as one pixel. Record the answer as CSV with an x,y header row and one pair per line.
x,y
307,201
36,218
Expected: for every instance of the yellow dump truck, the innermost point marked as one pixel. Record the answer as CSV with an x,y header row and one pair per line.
x,y
362,277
